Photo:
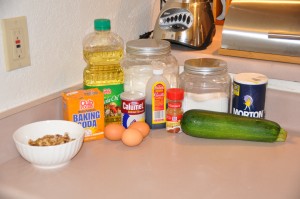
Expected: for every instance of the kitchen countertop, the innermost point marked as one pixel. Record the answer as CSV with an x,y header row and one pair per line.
x,y
164,166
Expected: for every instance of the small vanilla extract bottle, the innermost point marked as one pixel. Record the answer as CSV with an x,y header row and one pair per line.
x,y
174,112
156,99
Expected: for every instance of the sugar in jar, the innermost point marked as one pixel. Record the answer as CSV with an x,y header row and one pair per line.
x,y
206,85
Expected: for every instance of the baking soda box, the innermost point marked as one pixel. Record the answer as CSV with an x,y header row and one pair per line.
x,y
86,107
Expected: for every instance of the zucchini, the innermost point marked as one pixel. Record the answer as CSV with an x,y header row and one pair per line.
x,y
217,125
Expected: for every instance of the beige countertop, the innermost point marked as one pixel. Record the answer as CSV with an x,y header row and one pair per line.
x,y
164,166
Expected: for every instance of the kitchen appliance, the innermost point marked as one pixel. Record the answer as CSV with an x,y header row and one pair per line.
x,y
186,22
262,29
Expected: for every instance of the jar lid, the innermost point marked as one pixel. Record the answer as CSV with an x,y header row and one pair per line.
x,y
250,78
175,94
132,95
205,66
148,47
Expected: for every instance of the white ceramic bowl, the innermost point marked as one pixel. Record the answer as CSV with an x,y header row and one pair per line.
x,y
49,156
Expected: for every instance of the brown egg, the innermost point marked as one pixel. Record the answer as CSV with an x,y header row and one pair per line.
x,y
143,127
132,137
114,131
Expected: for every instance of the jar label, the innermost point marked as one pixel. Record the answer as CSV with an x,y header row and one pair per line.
x,y
132,111
174,104
112,101
173,123
174,118
159,95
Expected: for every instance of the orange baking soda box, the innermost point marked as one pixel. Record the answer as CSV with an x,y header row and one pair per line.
x,y
86,107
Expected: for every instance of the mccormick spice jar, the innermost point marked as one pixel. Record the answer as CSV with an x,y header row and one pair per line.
x,y
249,93
206,85
174,111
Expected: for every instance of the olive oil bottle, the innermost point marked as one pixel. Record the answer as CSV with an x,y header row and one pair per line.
x,y
103,51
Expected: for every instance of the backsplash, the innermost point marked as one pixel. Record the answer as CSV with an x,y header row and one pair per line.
x,y
56,30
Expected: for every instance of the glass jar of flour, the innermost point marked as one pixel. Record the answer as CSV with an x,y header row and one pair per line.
x,y
141,57
206,85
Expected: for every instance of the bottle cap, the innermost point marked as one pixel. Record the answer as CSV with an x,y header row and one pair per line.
x,y
175,94
102,24
158,71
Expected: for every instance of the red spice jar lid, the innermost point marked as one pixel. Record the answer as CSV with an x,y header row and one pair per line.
x,y
175,93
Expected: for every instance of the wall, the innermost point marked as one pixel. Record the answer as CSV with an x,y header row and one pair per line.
x,y
56,30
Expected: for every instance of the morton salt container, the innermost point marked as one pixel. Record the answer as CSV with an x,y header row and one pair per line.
x,y
206,85
141,56
249,93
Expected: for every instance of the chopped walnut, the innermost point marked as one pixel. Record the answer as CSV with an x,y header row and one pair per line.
x,y
51,140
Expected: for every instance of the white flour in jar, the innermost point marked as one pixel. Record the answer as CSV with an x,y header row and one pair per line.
x,y
136,77
208,101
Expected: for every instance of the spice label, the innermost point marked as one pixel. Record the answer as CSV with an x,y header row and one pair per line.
x,y
159,103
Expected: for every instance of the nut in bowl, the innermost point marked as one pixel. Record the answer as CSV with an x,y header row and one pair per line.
x,y
52,156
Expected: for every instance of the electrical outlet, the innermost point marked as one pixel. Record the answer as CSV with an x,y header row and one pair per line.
x,y
15,42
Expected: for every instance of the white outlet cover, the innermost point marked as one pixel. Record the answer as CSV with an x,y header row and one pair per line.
x,y
15,42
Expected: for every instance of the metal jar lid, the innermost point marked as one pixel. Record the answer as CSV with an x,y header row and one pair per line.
x,y
148,47
132,95
205,66
250,78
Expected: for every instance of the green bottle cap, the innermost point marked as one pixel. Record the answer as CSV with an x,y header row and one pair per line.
x,y
102,24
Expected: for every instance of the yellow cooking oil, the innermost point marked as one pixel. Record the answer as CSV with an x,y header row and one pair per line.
x,y
103,71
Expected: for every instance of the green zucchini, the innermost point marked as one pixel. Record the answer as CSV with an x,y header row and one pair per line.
x,y
217,125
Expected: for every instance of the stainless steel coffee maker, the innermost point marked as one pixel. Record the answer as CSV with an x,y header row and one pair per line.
x,y
186,22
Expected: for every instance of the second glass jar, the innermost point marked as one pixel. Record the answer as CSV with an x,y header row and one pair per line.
x,y
206,84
